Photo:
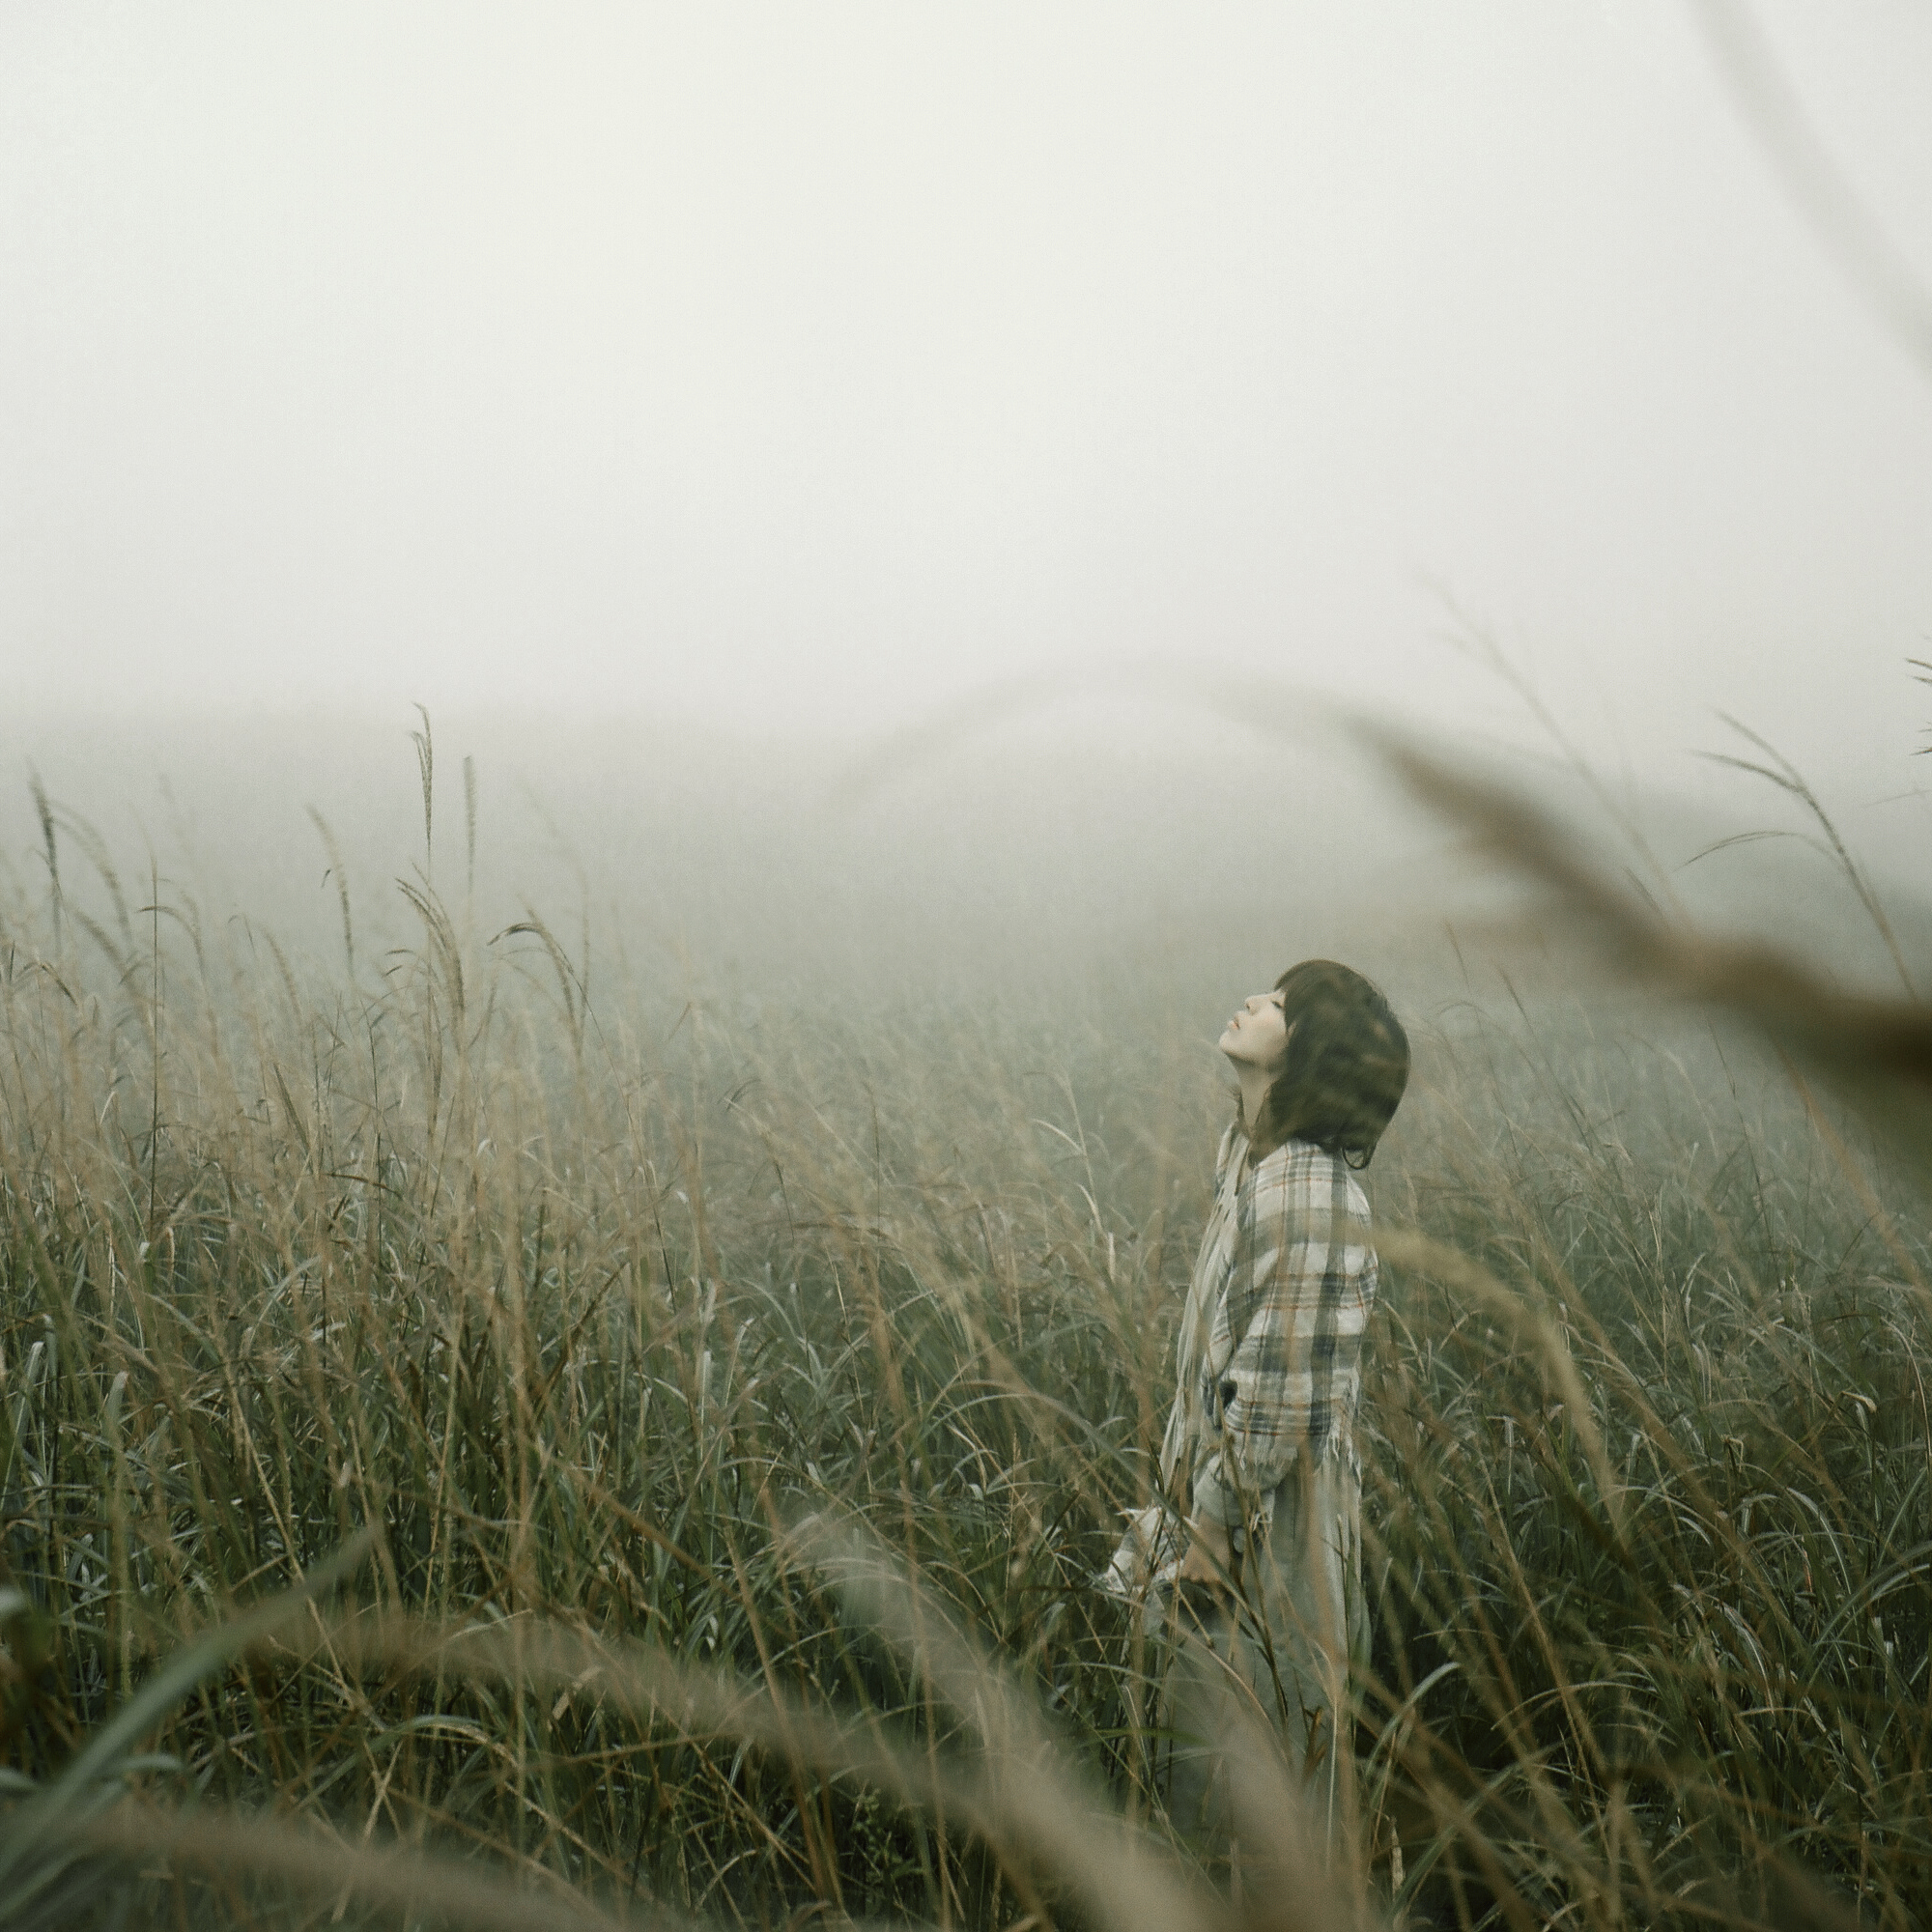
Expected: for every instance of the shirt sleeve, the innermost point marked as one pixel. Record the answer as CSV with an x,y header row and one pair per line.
x,y
1300,1291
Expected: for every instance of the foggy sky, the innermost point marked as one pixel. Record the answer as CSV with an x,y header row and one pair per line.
x,y
797,369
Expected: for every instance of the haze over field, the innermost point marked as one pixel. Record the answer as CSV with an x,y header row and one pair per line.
x,y
793,373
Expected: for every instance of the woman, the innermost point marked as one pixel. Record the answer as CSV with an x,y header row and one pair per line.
x,y
1259,1576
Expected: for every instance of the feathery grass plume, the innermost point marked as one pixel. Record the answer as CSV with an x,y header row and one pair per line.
x,y
338,871
406,1887
1772,766
425,745
1037,1798
51,850
1850,234
1015,1807
1877,1050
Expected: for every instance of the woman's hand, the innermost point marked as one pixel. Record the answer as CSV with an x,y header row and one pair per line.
x,y
1210,1558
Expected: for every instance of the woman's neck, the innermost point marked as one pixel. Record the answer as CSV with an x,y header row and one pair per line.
x,y
1255,1084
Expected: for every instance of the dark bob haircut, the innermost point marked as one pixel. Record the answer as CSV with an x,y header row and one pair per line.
x,y
1347,1066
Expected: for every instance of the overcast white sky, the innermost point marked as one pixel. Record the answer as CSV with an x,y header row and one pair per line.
x,y
803,367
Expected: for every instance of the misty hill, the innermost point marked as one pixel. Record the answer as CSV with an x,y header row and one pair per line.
x,y
1033,855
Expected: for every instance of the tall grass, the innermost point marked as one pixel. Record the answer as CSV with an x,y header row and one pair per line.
x,y
588,1309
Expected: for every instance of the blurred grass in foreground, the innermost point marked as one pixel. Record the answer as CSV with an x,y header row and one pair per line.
x,y
588,1319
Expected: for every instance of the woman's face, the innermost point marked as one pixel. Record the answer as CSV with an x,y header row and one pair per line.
x,y
1257,1035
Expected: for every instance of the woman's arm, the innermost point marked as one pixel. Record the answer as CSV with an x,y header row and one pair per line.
x,y
1300,1291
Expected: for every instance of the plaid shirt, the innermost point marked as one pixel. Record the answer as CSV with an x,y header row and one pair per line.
x,y
1271,1348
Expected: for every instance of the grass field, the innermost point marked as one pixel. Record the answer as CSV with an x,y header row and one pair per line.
x,y
740,1401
